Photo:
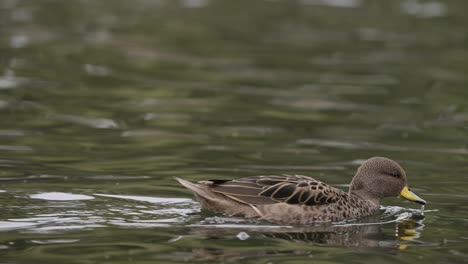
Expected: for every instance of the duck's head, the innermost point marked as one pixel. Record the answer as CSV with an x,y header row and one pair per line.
x,y
381,177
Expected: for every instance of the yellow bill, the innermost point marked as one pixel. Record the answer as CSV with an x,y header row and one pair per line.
x,y
410,196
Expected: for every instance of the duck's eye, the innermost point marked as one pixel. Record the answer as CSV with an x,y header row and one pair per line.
x,y
395,174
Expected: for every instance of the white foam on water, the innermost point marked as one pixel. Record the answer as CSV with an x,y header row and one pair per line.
x,y
396,212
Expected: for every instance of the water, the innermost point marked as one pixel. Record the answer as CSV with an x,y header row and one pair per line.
x,y
102,104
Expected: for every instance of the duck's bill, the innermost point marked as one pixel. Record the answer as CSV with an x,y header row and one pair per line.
x,y
410,196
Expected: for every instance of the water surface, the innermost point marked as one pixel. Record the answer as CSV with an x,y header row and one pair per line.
x,y
103,103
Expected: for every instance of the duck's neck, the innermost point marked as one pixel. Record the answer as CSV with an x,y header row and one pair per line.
x,y
366,196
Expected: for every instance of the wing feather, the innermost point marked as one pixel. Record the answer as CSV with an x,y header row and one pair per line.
x,y
291,189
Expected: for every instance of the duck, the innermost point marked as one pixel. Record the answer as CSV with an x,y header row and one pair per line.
x,y
301,200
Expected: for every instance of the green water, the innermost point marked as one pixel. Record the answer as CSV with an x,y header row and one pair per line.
x,y
102,103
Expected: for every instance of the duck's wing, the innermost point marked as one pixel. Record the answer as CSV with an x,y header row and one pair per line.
x,y
291,189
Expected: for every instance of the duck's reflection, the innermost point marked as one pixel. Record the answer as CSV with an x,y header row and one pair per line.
x,y
408,231
391,237
349,236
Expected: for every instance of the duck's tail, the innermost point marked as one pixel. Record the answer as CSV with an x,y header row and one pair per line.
x,y
217,202
198,189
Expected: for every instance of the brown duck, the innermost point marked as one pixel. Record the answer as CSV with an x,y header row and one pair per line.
x,y
296,199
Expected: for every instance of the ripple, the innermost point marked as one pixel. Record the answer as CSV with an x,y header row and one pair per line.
x,y
426,9
179,211
30,177
46,176
15,148
86,121
362,80
163,212
328,143
116,177
10,81
38,219
247,130
96,70
54,241
194,3
163,134
19,41
148,199
12,133
334,3
60,196
377,146
279,167
7,225
182,102
241,226
4,104
138,225
166,116
47,229
321,104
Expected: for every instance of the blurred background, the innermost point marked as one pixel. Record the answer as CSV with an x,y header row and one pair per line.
x,y
103,102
